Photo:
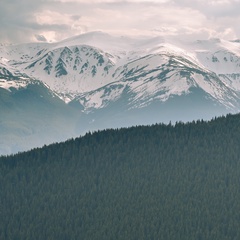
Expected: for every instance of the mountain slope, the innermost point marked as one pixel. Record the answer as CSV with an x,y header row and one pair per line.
x,y
32,115
91,61
104,81
154,182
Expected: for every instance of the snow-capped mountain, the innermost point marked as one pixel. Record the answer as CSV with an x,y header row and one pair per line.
x,y
113,81
151,68
31,114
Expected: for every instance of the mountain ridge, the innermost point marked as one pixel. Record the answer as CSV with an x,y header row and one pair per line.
x,y
106,81
73,66
161,181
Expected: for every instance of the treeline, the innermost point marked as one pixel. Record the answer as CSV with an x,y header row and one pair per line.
x,y
149,182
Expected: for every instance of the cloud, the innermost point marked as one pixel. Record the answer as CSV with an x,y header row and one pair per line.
x,y
22,21
40,38
112,1
16,18
222,16
212,8
75,17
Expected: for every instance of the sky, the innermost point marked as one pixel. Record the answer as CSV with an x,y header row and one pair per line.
x,y
55,20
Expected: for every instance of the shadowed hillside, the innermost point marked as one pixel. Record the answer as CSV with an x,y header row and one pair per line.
x,y
151,182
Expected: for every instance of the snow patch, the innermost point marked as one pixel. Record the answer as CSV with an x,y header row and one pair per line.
x,y
12,84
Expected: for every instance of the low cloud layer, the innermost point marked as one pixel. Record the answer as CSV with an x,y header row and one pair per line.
x,y
54,20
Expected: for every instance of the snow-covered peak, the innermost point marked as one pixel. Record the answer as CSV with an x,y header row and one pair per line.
x,y
91,61
109,43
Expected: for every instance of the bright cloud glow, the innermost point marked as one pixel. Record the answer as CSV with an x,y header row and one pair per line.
x,y
54,20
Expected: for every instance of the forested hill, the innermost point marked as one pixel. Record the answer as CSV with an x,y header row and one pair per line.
x,y
153,182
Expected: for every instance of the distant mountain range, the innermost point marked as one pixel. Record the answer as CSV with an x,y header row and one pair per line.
x,y
53,91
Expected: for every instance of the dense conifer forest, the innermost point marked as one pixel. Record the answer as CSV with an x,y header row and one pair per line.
x,y
178,181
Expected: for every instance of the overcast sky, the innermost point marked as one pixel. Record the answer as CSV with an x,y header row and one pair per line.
x,y
53,20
